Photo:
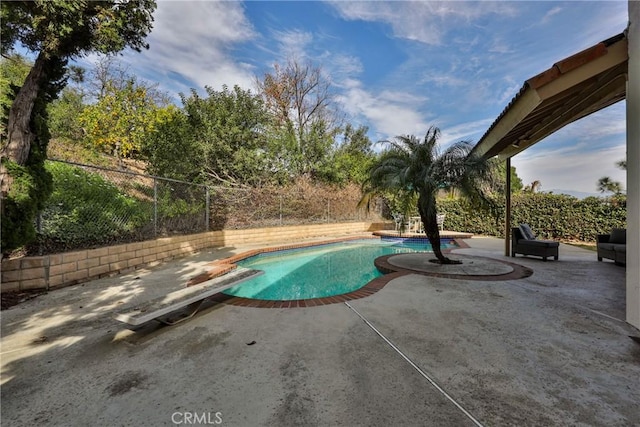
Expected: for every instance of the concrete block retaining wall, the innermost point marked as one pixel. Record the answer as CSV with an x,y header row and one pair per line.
x,y
69,268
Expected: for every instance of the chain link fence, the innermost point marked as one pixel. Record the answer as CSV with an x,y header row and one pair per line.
x,y
93,206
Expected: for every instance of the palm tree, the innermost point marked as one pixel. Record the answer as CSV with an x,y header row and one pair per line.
x,y
416,167
534,187
606,184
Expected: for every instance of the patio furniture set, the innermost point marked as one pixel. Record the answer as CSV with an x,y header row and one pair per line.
x,y
612,246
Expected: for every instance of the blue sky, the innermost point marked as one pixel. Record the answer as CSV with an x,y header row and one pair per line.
x,y
399,67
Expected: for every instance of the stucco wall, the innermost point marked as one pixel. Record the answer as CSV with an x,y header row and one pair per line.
x,y
70,268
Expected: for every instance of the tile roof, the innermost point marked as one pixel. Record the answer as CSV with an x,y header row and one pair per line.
x,y
573,100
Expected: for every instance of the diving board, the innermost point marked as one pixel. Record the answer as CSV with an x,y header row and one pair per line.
x,y
191,297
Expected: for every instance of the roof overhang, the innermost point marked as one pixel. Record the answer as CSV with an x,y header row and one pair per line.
x,y
571,89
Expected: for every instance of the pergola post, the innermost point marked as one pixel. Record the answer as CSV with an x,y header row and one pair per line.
x,y
507,212
633,167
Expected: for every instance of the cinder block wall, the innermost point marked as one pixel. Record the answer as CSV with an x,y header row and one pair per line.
x,y
70,268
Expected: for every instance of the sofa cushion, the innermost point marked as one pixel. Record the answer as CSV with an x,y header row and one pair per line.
x,y
612,247
526,232
618,235
539,243
620,248
606,246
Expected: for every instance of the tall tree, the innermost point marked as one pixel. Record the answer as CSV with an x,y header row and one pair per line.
x,y
416,167
299,97
64,112
220,139
123,117
606,184
171,151
56,31
516,182
352,157
534,187
13,70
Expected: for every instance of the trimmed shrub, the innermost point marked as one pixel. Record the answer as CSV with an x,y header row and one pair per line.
x,y
551,216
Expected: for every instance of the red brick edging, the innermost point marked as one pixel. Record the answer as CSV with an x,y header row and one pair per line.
x,y
519,271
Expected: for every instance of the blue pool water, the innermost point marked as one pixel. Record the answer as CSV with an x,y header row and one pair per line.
x,y
321,271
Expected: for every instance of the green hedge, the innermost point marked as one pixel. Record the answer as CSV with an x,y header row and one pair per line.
x,y
551,216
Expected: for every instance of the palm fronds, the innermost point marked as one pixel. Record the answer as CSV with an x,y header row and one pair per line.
x,y
411,167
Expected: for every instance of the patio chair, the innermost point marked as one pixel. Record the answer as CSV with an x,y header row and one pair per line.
x,y
397,218
524,242
440,221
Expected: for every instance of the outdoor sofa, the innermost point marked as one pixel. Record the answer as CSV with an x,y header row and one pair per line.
x,y
613,246
524,242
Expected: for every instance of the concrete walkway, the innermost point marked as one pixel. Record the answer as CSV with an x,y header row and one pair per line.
x,y
548,349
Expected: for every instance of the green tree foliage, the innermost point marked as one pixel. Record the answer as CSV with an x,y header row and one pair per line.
x,y
24,200
516,182
121,120
64,112
55,30
31,182
415,167
171,151
351,160
299,98
606,184
13,70
219,139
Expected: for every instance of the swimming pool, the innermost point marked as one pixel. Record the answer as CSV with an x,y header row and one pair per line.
x,y
321,271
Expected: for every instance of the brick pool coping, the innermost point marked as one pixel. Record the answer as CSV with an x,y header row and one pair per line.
x,y
223,266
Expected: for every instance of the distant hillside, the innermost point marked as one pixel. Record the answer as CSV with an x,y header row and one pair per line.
x,y
78,153
577,194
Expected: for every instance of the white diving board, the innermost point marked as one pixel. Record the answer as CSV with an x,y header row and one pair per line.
x,y
191,297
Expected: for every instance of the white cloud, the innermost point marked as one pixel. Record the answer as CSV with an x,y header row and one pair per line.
x,y
575,157
464,131
293,43
509,92
445,80
392,113
553,11
603,124
191,41
500,46
342,68
546,18
597,129
616,16
426,22
571,170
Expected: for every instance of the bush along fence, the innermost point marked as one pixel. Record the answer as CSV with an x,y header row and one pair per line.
x,y
93,207
551,216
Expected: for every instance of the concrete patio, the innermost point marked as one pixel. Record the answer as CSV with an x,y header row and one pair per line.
x,y
548,349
